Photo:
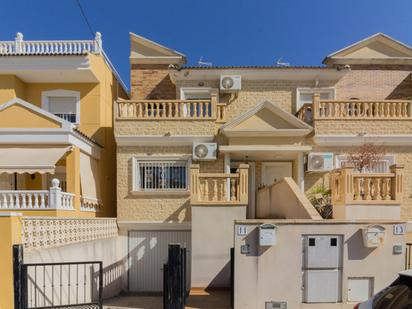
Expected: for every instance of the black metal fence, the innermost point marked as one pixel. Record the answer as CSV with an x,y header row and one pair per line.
x,y
175,290
57,285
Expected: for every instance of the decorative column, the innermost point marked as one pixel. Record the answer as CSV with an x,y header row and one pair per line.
x,y
346,187
19,42
194,183
397,182
55,195
316,105
227,171
98,47
243,186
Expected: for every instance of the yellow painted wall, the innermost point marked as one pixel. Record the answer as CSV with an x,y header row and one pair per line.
x,y
17,116
10,231
11,87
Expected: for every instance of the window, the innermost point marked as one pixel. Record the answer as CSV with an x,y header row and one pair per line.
x,y
382,166
161,175
195,93
63,103
305,95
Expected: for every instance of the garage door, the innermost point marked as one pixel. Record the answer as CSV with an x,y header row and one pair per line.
x,y
148,253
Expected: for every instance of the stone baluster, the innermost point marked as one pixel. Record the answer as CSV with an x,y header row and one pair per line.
x,y
367,188
243,184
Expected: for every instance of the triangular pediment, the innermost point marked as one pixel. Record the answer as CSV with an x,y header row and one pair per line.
x,y
266,119
378,48
18,113
144,51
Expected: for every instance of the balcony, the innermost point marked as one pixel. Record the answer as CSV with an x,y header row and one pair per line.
x,y
170,110
219,188
355,110
357,116
350,187
52,199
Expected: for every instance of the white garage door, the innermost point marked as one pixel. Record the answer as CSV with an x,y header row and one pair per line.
x,y
148,253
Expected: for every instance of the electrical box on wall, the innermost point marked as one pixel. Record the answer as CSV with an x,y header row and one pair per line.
x,y
267,235
373,236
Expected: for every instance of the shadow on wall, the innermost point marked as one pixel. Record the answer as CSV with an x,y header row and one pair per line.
x,y
403,90
356,251
165,89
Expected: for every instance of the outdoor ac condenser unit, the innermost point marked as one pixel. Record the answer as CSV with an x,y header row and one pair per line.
x,y
204,151
320,162
230,83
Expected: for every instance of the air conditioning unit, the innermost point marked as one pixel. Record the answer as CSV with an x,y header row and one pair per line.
x,y
320,162
230,83
204,151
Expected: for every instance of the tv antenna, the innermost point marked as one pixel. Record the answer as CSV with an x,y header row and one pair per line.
x,y
203,63
279,63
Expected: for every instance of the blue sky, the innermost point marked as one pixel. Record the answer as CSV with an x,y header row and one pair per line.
x,y
224,32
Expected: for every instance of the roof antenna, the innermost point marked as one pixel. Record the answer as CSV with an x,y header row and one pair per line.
x,y
279,63
203,63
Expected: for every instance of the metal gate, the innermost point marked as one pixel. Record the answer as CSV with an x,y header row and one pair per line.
x,y
57,285
175,289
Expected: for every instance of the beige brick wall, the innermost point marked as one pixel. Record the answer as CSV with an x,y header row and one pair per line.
x,y
375,84
151,81
174,127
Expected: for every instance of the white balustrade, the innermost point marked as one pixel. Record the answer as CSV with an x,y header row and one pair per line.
x,y
24,199
37,199
72,47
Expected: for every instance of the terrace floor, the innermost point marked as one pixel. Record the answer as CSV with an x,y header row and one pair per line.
x,y
198,299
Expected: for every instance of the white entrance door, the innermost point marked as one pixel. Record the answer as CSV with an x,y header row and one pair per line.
x,y
275,171
148,253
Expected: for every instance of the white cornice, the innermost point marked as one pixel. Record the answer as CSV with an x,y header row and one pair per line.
x,y
161,140
266,133
355,140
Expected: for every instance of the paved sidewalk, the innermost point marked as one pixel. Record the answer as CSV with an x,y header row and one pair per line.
x,y
198,299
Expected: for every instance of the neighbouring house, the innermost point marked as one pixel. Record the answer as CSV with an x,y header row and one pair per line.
x,y
199,148
57,157
56,106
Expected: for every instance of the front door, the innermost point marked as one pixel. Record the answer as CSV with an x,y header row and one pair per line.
x,y
275,171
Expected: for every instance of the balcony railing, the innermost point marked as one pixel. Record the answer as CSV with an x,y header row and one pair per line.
x,y
219,188
74,47
355,109
52,199
350,187
170,110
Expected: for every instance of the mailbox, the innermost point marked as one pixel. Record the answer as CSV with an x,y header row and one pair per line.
x,y
373,236
267,235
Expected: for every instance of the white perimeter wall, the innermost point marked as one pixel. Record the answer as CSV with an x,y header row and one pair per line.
x,y
108,250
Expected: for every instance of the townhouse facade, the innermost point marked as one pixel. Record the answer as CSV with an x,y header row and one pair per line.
x,y
201,147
